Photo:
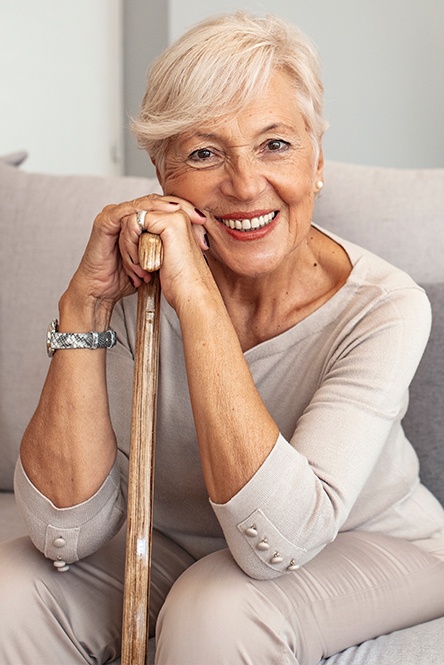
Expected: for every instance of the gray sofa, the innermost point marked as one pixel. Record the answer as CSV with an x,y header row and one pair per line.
x,y
45,221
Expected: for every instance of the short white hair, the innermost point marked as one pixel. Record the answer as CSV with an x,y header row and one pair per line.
x,y
218,67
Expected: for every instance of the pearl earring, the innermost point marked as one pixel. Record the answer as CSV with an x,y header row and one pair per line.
x,y
319,184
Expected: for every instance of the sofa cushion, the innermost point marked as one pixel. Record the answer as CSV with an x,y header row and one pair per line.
x,y
424,421
45,222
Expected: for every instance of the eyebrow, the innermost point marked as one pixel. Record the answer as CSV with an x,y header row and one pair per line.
x,y
276,125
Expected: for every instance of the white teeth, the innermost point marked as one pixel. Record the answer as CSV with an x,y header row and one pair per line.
x,y
248,224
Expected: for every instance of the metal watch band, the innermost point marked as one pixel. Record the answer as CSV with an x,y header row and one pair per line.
x,y
89,340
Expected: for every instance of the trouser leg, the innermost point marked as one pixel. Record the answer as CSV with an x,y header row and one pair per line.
x,y
50,618
72,618
358,587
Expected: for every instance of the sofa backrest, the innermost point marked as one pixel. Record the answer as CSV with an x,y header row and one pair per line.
x,y
45,221
396,213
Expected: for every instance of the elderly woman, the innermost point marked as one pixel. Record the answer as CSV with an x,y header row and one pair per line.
x,y
283,473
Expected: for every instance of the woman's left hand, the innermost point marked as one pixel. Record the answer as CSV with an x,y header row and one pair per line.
x,y
182,233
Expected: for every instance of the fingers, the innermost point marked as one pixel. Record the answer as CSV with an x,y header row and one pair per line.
x,y
168,217
118,229
134,212
157,202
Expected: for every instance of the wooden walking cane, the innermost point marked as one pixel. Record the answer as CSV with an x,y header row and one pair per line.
x,y
136,600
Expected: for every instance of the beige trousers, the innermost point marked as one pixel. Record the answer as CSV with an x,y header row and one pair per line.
x,y
358,587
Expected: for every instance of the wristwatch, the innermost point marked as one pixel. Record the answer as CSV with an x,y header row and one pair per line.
x,y
90,340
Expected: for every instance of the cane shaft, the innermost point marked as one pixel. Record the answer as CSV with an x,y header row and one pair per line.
x,y
135,627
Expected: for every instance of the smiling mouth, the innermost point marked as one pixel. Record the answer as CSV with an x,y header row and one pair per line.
x,y
251,224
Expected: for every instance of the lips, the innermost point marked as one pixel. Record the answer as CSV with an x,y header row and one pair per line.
x,y
248,223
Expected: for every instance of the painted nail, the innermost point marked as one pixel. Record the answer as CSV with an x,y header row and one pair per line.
x,y
199,213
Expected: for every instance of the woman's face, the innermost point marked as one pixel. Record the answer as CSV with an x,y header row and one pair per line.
x,y
254,178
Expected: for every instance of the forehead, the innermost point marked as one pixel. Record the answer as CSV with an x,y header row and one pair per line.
x,y
274,108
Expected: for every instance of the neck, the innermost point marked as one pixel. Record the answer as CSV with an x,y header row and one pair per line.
x,y
264,306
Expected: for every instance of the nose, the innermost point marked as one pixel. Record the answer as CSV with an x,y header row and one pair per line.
x,y
243,179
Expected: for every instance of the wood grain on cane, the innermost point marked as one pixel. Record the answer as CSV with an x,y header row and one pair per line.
x,y
135,626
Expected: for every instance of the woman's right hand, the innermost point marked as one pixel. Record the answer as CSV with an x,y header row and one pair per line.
x,y
103,277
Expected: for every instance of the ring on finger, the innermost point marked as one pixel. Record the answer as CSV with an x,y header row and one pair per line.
x,y
140,218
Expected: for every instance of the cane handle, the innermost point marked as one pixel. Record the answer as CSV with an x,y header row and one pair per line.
x,y
150,252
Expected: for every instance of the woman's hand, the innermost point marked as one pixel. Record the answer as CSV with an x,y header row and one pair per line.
x,y
110,268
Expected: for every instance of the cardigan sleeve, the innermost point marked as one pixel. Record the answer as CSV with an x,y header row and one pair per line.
x,y
302,495
71,533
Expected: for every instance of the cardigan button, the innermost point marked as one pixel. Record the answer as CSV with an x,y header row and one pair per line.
x,y
61,566
263,546
293,566
277,558
59,542
251,532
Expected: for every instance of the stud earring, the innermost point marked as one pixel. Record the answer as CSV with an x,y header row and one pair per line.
x,y
319,185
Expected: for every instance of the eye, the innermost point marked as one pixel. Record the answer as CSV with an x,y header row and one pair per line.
x,y
277,145
201,155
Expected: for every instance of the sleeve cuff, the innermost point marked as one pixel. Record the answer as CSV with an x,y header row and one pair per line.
x,y
252,520
70,533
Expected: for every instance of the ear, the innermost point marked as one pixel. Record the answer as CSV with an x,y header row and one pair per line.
x,y
319,174
320,167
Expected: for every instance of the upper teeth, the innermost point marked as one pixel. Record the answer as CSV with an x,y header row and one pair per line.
x,y
248,224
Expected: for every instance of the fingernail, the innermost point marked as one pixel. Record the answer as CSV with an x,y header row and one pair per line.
x,y
206,240
199,213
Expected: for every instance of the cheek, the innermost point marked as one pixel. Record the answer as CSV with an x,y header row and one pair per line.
x,y
190,185
171,178
298,191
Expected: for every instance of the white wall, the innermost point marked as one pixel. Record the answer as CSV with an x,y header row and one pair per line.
x,y
61,76
145,25
383,64
60,84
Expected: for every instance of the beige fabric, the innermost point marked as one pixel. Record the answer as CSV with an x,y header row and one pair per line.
x,y
358,587
73,618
